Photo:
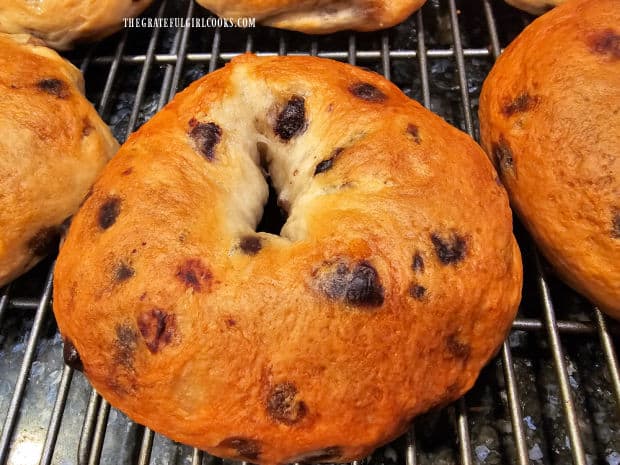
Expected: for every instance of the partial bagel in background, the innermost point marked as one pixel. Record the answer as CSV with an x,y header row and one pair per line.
x,y
53,144
318,17
63,23
550,121
535,7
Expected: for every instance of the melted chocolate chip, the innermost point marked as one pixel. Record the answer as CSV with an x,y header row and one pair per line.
x,y
449,250
605,42
417,292
615,224
456,348
123,272
44,241
326,165
157,327
206,136
283,404
251,245
71,355
368,92
127,172
522,103
503,157
87,127
108,212
359,285
55,87
193,273
418,263
414,132
246,448
125,346
291,121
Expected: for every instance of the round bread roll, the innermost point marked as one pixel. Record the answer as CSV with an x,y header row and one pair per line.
x,y
53,145
550,120
62,23
394,280
318,17
535,7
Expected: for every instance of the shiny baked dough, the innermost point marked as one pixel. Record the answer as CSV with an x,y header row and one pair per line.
x,y
62,23
52,146
394,280
318,16
535,7
550,119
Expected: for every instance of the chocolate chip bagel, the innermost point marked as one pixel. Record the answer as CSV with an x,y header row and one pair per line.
x,y
318,17
62,23
550,119
394,280
52,146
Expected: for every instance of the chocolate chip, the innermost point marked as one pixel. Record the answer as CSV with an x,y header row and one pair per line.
x,y
55,87
326,165
71,355
157,328
322,455
283,404
230,322
449,250
368,92
606,42
44,241
522,103
123,272
193,273
615,223
251,245
205,136
414,132
417,292
125,346
108,212
87,127
358,285
418,263
291,121
246,448
127,172
456,348
503,157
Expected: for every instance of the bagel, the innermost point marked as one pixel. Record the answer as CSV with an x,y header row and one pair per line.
x,y
550,120
318,17
53,145
63,23
394,280
535,7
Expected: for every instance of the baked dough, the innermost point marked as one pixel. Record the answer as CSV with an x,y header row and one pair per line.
x,y
318,17
53,145
394,280
62,23
535,7
550,119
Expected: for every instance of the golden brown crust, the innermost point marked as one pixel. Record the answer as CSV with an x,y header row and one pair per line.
x,y
318,17
394,280
550,113
62,23
53,145
535,7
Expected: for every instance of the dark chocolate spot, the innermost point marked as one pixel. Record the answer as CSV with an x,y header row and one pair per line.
x,y
418,263
322,455
605,42
414,132
368,92
230,322
504,158
359,285
326,165
449,250
87,127
284,405
71,355
108,212
457,348
123,272
54,87
246,448
44,241
206,136
157,328
193,273
127,172
615,223
125,346
417,292
251,245
291,121
522,103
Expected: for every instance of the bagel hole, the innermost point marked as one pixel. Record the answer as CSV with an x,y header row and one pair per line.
x,y
274,217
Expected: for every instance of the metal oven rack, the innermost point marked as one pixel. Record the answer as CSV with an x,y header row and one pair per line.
x,y
551,396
